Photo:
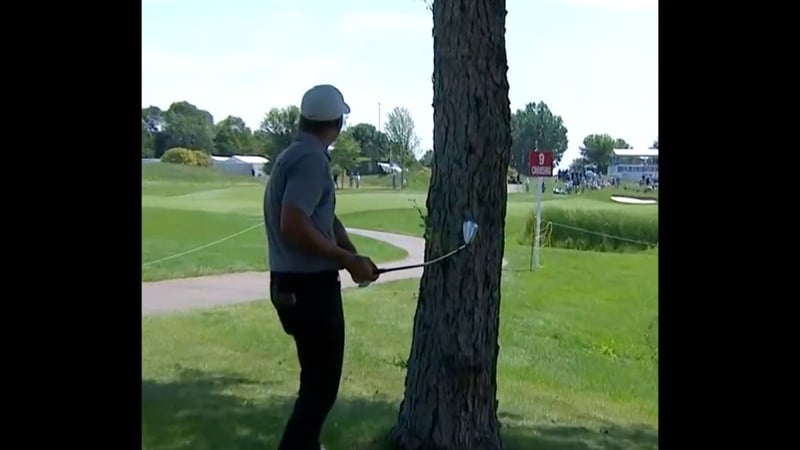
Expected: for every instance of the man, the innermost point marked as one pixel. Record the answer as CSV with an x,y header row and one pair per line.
x,y
307,247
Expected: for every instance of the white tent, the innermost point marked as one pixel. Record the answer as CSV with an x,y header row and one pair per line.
x,y
241,164
389,168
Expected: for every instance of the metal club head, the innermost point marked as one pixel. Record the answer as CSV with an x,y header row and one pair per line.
x,y
469,229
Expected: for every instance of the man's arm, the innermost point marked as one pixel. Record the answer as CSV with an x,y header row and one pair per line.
x,y
304,187
342,239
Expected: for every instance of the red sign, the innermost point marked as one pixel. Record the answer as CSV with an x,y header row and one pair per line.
x,y
541,163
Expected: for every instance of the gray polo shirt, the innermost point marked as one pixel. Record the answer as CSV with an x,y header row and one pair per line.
x,y
301,177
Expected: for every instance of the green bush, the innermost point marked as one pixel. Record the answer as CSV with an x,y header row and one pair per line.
x,y
593,230
186,157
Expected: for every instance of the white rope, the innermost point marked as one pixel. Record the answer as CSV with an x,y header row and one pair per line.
x,y
204,246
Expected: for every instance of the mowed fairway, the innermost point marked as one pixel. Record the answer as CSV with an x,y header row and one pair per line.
x,y
168,231
578,365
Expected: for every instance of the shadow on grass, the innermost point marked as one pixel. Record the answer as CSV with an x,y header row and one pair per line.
x,y
199,411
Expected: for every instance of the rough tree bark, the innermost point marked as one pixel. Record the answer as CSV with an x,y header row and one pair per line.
x,y
451,381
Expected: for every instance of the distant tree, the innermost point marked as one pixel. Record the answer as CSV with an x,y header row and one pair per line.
x,y
374,143
536,126
234,137
403,140
427,158
620,143
186,126
153,119
655,144
400,129
278,129
263,144
578,164
152,125
402,156
598,148
346,154
148,141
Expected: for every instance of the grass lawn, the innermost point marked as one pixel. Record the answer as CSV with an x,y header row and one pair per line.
x,y
174,179
187,207
167,232
576,370
416,181
578,364
404,218
376,209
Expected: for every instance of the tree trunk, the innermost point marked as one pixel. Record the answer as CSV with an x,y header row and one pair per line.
x,y
451,382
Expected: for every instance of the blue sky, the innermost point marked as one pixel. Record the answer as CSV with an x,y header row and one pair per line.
x,y
594,62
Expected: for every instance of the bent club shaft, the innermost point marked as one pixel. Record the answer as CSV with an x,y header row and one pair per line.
x,y
416,266
394,269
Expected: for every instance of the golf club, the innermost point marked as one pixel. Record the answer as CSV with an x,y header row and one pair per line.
x,y
468,230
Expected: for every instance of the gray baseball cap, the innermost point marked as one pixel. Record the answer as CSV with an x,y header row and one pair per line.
x,y
322,103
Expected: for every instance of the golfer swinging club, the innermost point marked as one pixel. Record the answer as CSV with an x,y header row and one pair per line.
x,y
308,245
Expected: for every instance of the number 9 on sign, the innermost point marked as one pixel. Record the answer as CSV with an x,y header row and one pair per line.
x,y
541,163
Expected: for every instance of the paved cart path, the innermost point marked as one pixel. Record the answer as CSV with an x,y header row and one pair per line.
x,y
160,297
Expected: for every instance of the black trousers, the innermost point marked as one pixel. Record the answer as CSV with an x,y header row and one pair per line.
x,y
316,322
